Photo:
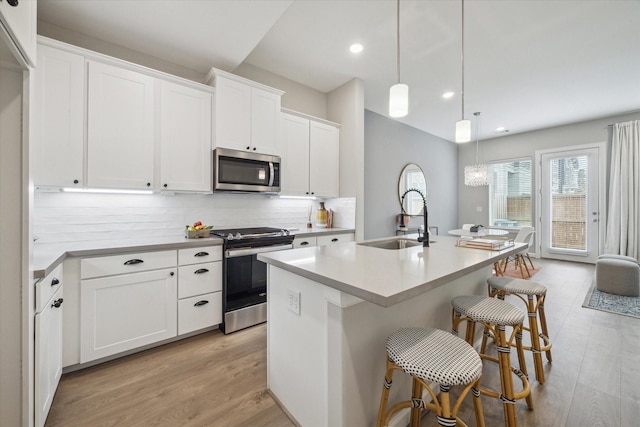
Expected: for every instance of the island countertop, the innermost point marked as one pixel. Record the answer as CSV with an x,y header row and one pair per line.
x,y
382,276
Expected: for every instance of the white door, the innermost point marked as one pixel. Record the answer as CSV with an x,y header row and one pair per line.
x,y
570,190
185,138
121,122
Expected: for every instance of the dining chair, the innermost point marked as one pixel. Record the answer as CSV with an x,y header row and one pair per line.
x,y
525,235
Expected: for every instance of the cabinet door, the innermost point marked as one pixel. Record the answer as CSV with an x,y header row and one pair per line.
x,y
294,169
324,163
59,119
265,122
48,356
20,22
335,238
185,138
304,242
124,312
233,114
120,128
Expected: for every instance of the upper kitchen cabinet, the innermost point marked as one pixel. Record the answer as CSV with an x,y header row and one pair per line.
x,y
59,119
310,156
120,133
185,138
19,20
247,114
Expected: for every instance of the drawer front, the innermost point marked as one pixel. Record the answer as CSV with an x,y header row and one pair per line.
x,y
304,242
128,263
198,255
335,238
48,286
199,279
199,312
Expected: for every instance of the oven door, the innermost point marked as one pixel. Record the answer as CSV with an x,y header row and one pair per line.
x,y
245,286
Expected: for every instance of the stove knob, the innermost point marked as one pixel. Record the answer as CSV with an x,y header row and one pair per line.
x,y
230,236
238,236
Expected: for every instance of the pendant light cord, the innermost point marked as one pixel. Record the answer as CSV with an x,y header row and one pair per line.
x,y
398,39
477,133
462,93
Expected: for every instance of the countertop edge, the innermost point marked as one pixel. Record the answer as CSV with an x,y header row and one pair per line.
x,y
390,300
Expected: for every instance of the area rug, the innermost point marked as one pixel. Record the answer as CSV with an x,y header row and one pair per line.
x,y
618,304
515,272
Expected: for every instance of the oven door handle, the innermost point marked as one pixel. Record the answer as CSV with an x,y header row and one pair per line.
x,y
232,253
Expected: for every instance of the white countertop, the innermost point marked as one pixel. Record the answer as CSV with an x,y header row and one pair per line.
x,y
386,277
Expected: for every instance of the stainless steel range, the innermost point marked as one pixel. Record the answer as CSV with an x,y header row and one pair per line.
x,y
244,291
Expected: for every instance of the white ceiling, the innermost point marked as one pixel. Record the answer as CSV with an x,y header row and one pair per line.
x,y
528,64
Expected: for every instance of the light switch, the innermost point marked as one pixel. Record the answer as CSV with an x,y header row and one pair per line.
x,y
478,208
293,301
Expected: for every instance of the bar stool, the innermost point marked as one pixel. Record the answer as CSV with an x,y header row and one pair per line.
x,y
431,355
495,314
538,333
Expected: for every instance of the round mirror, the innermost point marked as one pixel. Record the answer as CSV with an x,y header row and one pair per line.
x,y
412,177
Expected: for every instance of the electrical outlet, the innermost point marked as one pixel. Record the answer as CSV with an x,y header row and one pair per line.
x,y
293,301
478,208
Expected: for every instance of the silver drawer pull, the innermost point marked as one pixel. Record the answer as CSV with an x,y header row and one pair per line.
x,y
202,254
55,281
201,270
199,303
133,261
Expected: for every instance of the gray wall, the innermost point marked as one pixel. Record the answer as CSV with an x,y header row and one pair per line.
x,y
389,145
524,145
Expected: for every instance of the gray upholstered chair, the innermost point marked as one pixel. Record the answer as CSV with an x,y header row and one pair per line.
x,y
618,274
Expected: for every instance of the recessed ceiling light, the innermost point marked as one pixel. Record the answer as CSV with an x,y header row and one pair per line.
x,y
501,129
356,48
448,95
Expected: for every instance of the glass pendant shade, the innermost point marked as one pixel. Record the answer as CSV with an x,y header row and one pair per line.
x,y
476,175
399,100
463,131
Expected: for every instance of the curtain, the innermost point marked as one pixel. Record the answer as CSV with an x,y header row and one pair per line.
x,y
623,221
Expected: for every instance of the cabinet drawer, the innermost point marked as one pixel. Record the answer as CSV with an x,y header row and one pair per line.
x,y
128,263
335,238
199,279
304,242
199,312
198,255
48,286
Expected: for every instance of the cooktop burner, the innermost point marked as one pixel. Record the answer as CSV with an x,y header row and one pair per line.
x,y
249,233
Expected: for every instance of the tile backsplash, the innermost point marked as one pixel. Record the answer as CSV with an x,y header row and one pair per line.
x,y
78,217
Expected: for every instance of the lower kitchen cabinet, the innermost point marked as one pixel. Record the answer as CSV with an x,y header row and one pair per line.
x,y
48,343
120,313
322,239
199,312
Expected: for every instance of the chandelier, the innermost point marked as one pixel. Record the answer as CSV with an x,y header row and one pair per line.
x,y
477,174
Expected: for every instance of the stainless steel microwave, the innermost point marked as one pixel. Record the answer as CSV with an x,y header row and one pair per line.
x,y
246,172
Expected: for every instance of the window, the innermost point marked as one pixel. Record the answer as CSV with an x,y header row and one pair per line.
x,y
510,194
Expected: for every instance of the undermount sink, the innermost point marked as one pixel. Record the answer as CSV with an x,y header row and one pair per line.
x,y
393,244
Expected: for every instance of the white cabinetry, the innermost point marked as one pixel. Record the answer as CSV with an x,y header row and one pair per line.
x,y
199,288
48,342
247,114
310,157
120,134
322,239
121,312
185,138
59,119
20,22
144,129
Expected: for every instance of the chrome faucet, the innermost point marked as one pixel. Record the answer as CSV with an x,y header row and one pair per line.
x,y
425,235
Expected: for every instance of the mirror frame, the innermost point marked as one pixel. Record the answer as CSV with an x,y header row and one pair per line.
x,y
401,189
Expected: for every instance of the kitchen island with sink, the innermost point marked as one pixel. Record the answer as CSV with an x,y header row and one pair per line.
x,y
331,308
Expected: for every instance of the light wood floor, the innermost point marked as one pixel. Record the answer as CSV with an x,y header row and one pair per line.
x,y
220,380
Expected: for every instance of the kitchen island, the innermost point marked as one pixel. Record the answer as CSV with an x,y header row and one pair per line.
x,y
331,308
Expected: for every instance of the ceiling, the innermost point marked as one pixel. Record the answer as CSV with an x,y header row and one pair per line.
x,y
527,64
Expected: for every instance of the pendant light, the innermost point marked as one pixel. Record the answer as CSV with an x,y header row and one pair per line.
x,y
477,174
399,93
463,127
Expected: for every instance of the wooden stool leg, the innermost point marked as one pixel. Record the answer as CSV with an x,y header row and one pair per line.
x,y
522,363
477,404
444,416
416,403
535,339
384,398
507,395
543,322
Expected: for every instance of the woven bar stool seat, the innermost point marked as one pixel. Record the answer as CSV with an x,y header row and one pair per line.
x,y
431,355
495,315
533,295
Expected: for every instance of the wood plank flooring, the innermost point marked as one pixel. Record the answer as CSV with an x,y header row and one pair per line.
x,y
220,380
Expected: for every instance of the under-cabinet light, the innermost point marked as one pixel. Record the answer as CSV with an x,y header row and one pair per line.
x,y
105,190
299,197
